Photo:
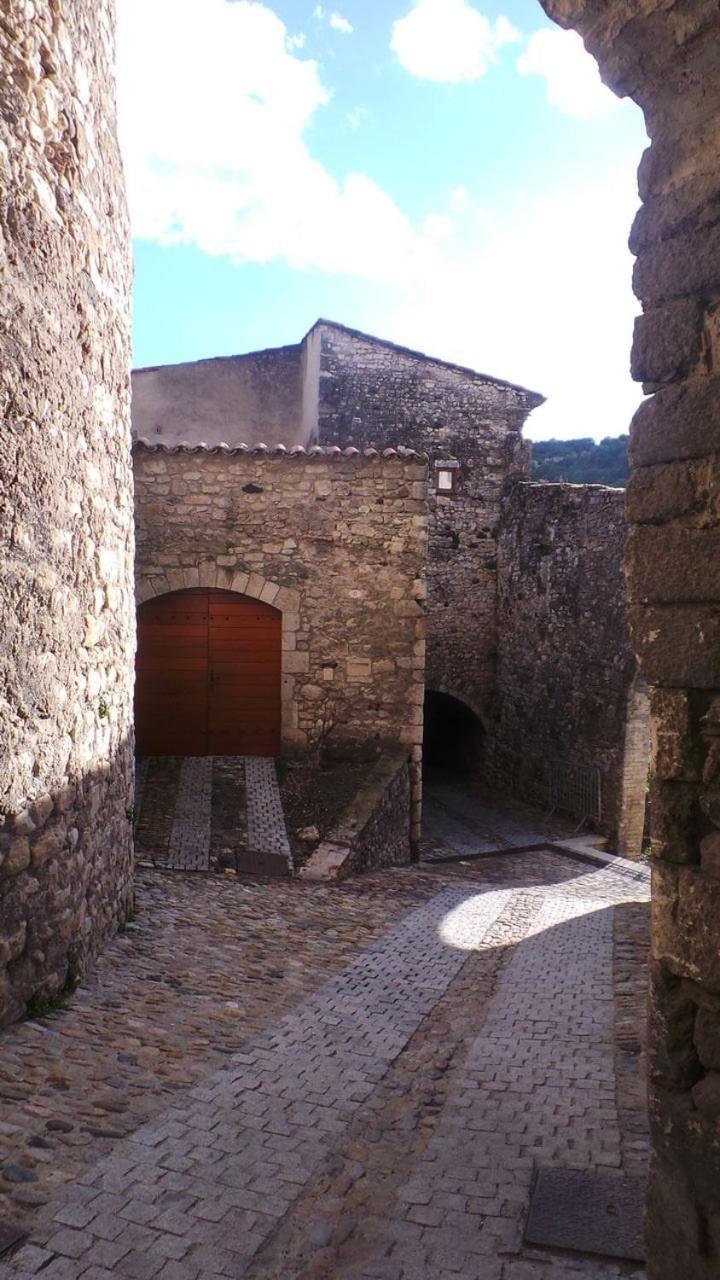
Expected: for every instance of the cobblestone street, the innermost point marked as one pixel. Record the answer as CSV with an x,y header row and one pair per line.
x,y
271,1080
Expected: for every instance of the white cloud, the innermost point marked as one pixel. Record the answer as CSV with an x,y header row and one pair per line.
x,y
516,294
213,112
318,12
459,199
570,72
339,23
298,41
449,40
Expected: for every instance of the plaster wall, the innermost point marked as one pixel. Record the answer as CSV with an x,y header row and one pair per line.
x,y
249,399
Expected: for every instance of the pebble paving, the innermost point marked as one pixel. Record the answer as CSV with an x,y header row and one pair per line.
x,y
354,1082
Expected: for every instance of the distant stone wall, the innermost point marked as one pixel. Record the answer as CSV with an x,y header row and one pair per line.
x,y
338,544
248,399
566,665
374,830
66,522
372,393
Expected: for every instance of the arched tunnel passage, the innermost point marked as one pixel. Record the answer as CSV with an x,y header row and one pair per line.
x,y
453,739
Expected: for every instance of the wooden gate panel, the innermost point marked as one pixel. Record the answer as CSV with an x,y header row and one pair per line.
x,y
208,675
245,662
172,675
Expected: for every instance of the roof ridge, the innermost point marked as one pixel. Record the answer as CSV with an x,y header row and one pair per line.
x,y
536,396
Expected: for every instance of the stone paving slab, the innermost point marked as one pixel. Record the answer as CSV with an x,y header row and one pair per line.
x,y
207,1182
265,818
538,1088
189,848
461,824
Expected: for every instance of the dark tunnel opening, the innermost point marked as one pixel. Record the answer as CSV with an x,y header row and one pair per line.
x,y
453,738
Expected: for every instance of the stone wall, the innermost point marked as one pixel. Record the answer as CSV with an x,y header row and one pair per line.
x,y
667,57
337,542
375,393
373,831
249,399
566,666
66,518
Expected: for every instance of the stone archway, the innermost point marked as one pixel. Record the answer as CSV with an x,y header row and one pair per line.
x,y
207,675
208,573
454,735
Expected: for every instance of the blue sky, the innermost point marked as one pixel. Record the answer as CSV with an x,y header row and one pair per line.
x,y
446,174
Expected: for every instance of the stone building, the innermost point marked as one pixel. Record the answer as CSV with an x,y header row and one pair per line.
x,y
501,697
339,387
63,388
331,545
66,533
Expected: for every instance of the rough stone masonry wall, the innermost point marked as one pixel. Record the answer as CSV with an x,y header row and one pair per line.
x,y
374,393
338,544
566,665
65,500
667,57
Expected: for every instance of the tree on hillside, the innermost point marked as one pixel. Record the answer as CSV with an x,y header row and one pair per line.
x,y
582,461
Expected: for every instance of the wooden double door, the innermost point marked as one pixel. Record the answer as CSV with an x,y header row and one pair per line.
x,y
207,675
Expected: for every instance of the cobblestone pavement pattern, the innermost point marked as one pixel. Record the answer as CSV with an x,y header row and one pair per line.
x,y
385,1125
266,821
458,823
189,848
179,831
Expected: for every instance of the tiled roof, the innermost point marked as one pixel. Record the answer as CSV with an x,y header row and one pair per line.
x,y
278,450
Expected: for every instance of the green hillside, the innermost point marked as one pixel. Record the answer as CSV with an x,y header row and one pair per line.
x,y
582,461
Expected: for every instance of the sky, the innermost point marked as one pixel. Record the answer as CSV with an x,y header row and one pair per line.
x,y
451,176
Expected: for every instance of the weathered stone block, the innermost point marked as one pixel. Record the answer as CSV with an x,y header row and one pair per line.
x,y
680,421
686,264
667,341
677,821
667,564
16,858
678,645
710,854
677,749
707,1038
672,1055
667,491
685,911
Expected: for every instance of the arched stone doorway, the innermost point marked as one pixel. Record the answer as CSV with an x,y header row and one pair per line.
x,y
208,676
454,737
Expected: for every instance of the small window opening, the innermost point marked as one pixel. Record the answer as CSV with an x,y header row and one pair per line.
x,y
446,474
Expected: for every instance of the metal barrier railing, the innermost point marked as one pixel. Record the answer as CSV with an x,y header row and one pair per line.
x,y
575,789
